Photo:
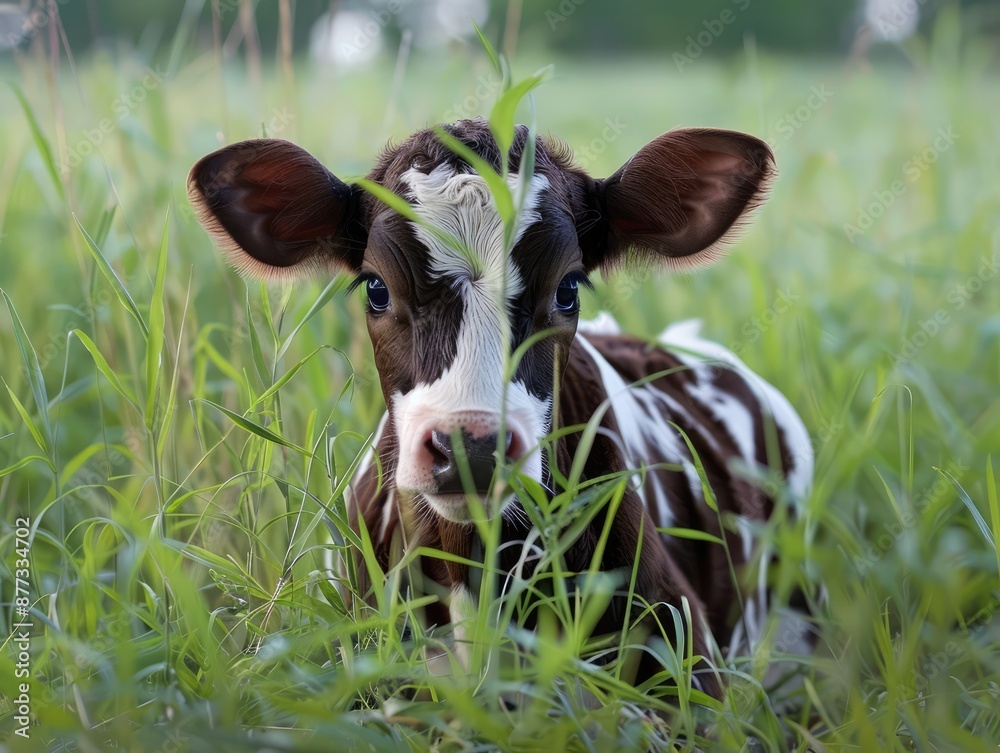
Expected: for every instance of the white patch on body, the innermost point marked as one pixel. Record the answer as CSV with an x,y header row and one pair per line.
x,y
643,431
684,341
749,631
701,353
602,324
473,392
730,413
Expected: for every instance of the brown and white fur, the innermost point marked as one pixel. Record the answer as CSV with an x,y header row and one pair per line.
x,y
444,318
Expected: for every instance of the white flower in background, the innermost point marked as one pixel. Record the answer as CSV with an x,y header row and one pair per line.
x,y
350,38
14,26
354,35
892,20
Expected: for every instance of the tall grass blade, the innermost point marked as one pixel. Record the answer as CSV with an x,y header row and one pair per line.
x,y
256,429
104,367
971,506
256,351
32,429
403,208
287,376
991,492
112,277
104,226
332,288
41,143
488,47
157,322
504,111
692,534
171,405
23,462
32,369
396,203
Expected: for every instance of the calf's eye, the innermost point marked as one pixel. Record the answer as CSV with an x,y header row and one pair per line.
x,y
568,295
378,294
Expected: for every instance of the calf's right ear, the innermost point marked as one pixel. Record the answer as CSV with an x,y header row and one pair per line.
x,y
275,211
679,200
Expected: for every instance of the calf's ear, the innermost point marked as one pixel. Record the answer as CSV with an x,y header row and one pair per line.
x,y
679,200
275,210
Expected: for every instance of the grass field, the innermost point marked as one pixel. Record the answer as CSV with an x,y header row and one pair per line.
x,y
174,482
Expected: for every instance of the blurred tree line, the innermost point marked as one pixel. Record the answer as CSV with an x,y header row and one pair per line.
x,y
643,26
153,24
593,27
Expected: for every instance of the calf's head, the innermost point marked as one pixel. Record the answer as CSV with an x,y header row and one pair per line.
x,y
447,305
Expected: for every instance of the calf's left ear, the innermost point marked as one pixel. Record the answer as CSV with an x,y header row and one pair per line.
x,y
275,210
679,199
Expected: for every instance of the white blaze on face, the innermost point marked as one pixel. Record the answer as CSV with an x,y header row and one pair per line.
x,y
470,392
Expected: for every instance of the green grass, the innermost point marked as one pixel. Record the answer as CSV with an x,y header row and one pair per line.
x,y
176,499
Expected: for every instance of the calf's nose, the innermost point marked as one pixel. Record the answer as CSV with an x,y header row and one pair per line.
x,y
479,452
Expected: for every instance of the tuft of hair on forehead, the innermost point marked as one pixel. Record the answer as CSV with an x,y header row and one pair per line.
x,y
460,205
423,151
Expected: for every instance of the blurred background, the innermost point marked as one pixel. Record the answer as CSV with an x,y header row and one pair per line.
x,y
418,62
867,290
630,27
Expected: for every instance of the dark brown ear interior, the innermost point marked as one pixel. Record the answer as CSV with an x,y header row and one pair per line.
x,y
681,195
274,209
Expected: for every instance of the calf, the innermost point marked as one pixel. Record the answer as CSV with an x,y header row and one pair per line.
x,y
447,305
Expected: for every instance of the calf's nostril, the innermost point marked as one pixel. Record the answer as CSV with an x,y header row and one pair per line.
x,y
439,448
516,447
